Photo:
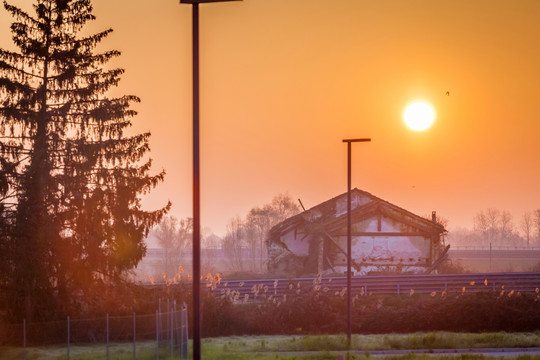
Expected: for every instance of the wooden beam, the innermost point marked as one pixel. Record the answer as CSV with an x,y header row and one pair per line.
x,y
439,261
382,234
336,244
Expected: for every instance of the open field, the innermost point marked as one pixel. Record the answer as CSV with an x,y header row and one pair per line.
x,y
286,347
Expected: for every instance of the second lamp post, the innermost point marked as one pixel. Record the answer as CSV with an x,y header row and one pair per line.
x,y
349,238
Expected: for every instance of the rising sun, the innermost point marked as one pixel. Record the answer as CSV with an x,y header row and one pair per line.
x,y
419,116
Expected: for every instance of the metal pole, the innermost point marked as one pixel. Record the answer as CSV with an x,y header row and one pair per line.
x,y
168,318
134,338
172,333
24,339
349,240
196,180
107,336
176,322
196,192
68,337
159,321
185,335
349,247
157,334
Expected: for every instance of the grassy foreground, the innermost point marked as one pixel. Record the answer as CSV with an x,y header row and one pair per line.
x,y
275,347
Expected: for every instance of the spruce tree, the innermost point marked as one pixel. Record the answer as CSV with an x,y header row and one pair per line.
x,y
71,178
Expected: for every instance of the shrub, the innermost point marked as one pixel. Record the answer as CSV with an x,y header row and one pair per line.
x,y
311,310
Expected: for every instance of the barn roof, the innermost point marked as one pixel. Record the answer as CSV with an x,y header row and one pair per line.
x,y
364,204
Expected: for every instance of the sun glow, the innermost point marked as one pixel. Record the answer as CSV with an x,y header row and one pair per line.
x,y
419,116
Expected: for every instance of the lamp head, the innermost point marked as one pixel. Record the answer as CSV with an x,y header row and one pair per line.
x,y
203,1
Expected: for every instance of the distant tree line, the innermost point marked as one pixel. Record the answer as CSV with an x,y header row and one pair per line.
x,y
250,234
245,249
497,228
244,244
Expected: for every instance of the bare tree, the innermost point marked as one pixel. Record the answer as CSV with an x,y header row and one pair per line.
x,y
497,228
209,240
441,220
536,221
211,245
527,226
173,235
253,231
493,225
259,221
283,208
233,243
506,228
481,225
166,234
185,233
492,217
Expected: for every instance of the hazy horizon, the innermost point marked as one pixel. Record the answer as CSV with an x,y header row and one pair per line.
x,y
283,82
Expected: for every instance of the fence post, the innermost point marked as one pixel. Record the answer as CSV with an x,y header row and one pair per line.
x,y
134,338
160,322
157,334
177,326
68,337
184,329
107,336
168,318
24,339
171,333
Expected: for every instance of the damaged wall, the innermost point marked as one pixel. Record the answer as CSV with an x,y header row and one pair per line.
x,y
384,238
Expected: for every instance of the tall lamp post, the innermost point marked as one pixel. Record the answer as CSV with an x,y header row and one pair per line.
x,y
196,180
349,238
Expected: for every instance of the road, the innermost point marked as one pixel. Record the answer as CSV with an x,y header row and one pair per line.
x,y
493,352
497,352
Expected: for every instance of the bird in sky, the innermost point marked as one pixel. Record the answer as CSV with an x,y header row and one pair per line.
x,y
448,93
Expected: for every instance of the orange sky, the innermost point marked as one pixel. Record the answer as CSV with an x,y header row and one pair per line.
x,y
284,81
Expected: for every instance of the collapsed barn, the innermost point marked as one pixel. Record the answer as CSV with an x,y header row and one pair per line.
x,y
385,238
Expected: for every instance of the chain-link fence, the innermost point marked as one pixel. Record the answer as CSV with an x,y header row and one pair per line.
x,y
165,332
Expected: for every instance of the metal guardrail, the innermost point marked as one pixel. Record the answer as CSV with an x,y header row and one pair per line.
x,y
387,285
532,255
486,248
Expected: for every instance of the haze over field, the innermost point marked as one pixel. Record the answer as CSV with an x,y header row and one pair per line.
x,y
283,82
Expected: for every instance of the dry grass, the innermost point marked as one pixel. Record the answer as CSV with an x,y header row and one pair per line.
x,y
432,340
